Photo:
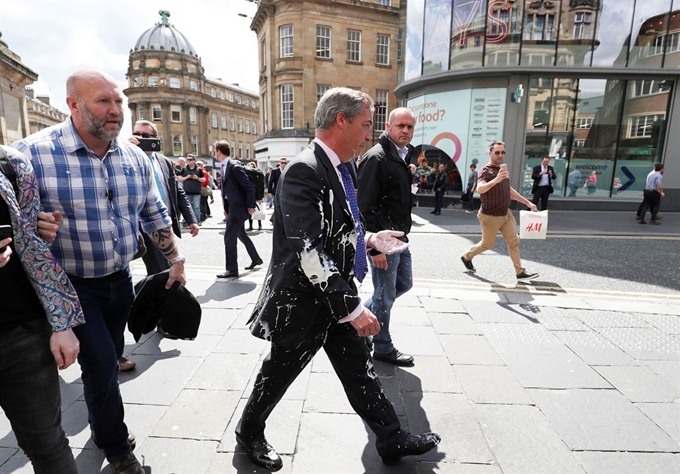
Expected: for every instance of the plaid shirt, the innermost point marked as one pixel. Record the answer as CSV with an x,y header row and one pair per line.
x,y
99,235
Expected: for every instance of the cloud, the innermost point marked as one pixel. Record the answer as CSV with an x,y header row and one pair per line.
x,y
56,38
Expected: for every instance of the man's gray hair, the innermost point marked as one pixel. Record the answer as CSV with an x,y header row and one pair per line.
x,y
340,99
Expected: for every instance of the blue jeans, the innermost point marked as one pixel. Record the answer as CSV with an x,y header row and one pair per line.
x,y
438,201
30,397
388,285
106,303
195,201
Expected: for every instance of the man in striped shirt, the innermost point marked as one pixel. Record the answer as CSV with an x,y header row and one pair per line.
x,y
103,189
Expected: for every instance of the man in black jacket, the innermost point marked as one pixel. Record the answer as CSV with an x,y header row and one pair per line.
x,y
542,175
384,194
440,181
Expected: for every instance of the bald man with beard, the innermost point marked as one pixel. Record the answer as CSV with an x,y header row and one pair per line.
x,y
101,189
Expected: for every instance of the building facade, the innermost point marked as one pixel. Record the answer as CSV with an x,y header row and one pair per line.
x,y
40,113
589,83
168,86
308,47
14,77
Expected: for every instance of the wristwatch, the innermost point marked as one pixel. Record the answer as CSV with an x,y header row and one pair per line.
x,y
179,258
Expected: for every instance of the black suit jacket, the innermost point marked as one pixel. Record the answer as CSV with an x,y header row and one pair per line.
x,y
238,191
308,285
536,176
178,202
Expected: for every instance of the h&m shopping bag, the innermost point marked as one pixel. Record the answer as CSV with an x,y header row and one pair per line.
x,y
533,225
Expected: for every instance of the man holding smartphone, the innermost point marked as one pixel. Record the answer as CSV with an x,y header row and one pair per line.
x,y
192,179
495,192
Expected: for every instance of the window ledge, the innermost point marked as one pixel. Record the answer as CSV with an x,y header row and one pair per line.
x,y
384,66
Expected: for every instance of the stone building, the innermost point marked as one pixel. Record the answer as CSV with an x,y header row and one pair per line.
x,y
40,113
168,86
14,77
307,47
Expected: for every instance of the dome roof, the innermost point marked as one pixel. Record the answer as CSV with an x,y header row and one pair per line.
x,y
164,36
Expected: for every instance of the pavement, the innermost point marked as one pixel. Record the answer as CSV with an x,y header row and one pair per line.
x,y
514,382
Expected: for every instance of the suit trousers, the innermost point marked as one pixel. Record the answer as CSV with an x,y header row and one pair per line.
x,y
349,355
652,201
490,226
235,230
542,194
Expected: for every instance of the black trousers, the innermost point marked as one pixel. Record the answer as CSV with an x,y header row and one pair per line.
x,y
234,231
352,363
542,194
652,202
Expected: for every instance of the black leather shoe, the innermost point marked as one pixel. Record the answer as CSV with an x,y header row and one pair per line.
x,y
395,357
413,445
127,465
254,263
228,275
260,453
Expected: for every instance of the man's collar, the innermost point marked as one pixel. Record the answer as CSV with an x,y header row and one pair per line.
x,y
335,160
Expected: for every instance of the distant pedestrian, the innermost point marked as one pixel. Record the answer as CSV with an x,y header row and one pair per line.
x,y
192,179
493,186
471,186
574,181
258,204
542,175
653,194
439,186
591,184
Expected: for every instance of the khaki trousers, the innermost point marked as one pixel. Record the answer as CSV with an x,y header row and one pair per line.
x,y
490,226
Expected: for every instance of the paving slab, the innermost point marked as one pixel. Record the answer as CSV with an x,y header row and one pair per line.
x,y
601,420
409,316
524,442
326,395
430,374
666,415
643,343
186,456
612,319
5,454
474,294
441,305
488,312
457,468
238,463
448,323
639,384
669,370
217,321
202,346
70,392
629,463
665,323
553,318
224,372
519,333
626,305
472,350
491,384
416,340
240,341
593,348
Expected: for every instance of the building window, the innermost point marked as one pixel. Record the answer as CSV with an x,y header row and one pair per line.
x,y
222,95
156,112
192,114
584,122
177,144
213,92
240,149
263,56
214,119
175,113
385,3
383,56
582,26
380,110
254,127
323,41
246,102
224,121
238,99
247,151
640,127
231,97
174,82
194,144
240,125
539,27
286,41
321,90
287,106
153,81
140,112
648,87
579,143
138,82
193,85
247,126
353,45
231,123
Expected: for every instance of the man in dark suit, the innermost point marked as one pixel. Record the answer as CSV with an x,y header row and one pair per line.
x,y
238,199
273,179
309,299
542,175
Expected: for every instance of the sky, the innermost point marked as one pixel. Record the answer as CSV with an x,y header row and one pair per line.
x,y
55,38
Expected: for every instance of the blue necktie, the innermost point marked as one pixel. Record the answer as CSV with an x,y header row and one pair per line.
x,y
360,265
159,181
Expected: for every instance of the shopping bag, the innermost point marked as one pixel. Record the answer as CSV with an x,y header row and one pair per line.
x,y
533,225
259,214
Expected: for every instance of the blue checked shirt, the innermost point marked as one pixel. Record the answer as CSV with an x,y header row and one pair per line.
x,y
99,236
654,180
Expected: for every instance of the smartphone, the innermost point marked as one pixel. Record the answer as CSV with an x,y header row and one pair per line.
x,y
5,231
504,166
149,144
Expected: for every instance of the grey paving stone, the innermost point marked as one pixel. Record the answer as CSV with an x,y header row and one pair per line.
x,y
202,346
643,343
282,428
184,456
225,372
550,299
392,388
517,332
626,305
639,384
441,305
547,365
474,293
321,363
665,323
473,350
666,415
240,341
141,419
612,319
325,394
233,294
601,420
669,370
524,442
416,340
75,424
430,374
409,316
457,468
198,414
217,321
491,384
629,463
488,312
448,323
409,300
593,348
238,463
17,464
70,392
5,454
451,416
554,319
157,380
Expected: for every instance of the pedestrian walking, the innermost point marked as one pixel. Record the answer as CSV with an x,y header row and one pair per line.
x,y
471,187
542,175
439,186
652,194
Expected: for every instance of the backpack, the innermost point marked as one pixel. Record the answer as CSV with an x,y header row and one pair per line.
x,y
7,169
257,177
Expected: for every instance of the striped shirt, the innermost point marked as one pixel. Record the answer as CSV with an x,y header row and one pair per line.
x,y
654,179
103,200
496,201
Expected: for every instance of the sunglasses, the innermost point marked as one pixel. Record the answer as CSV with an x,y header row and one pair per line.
x,y
499,153
191,159
144,135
